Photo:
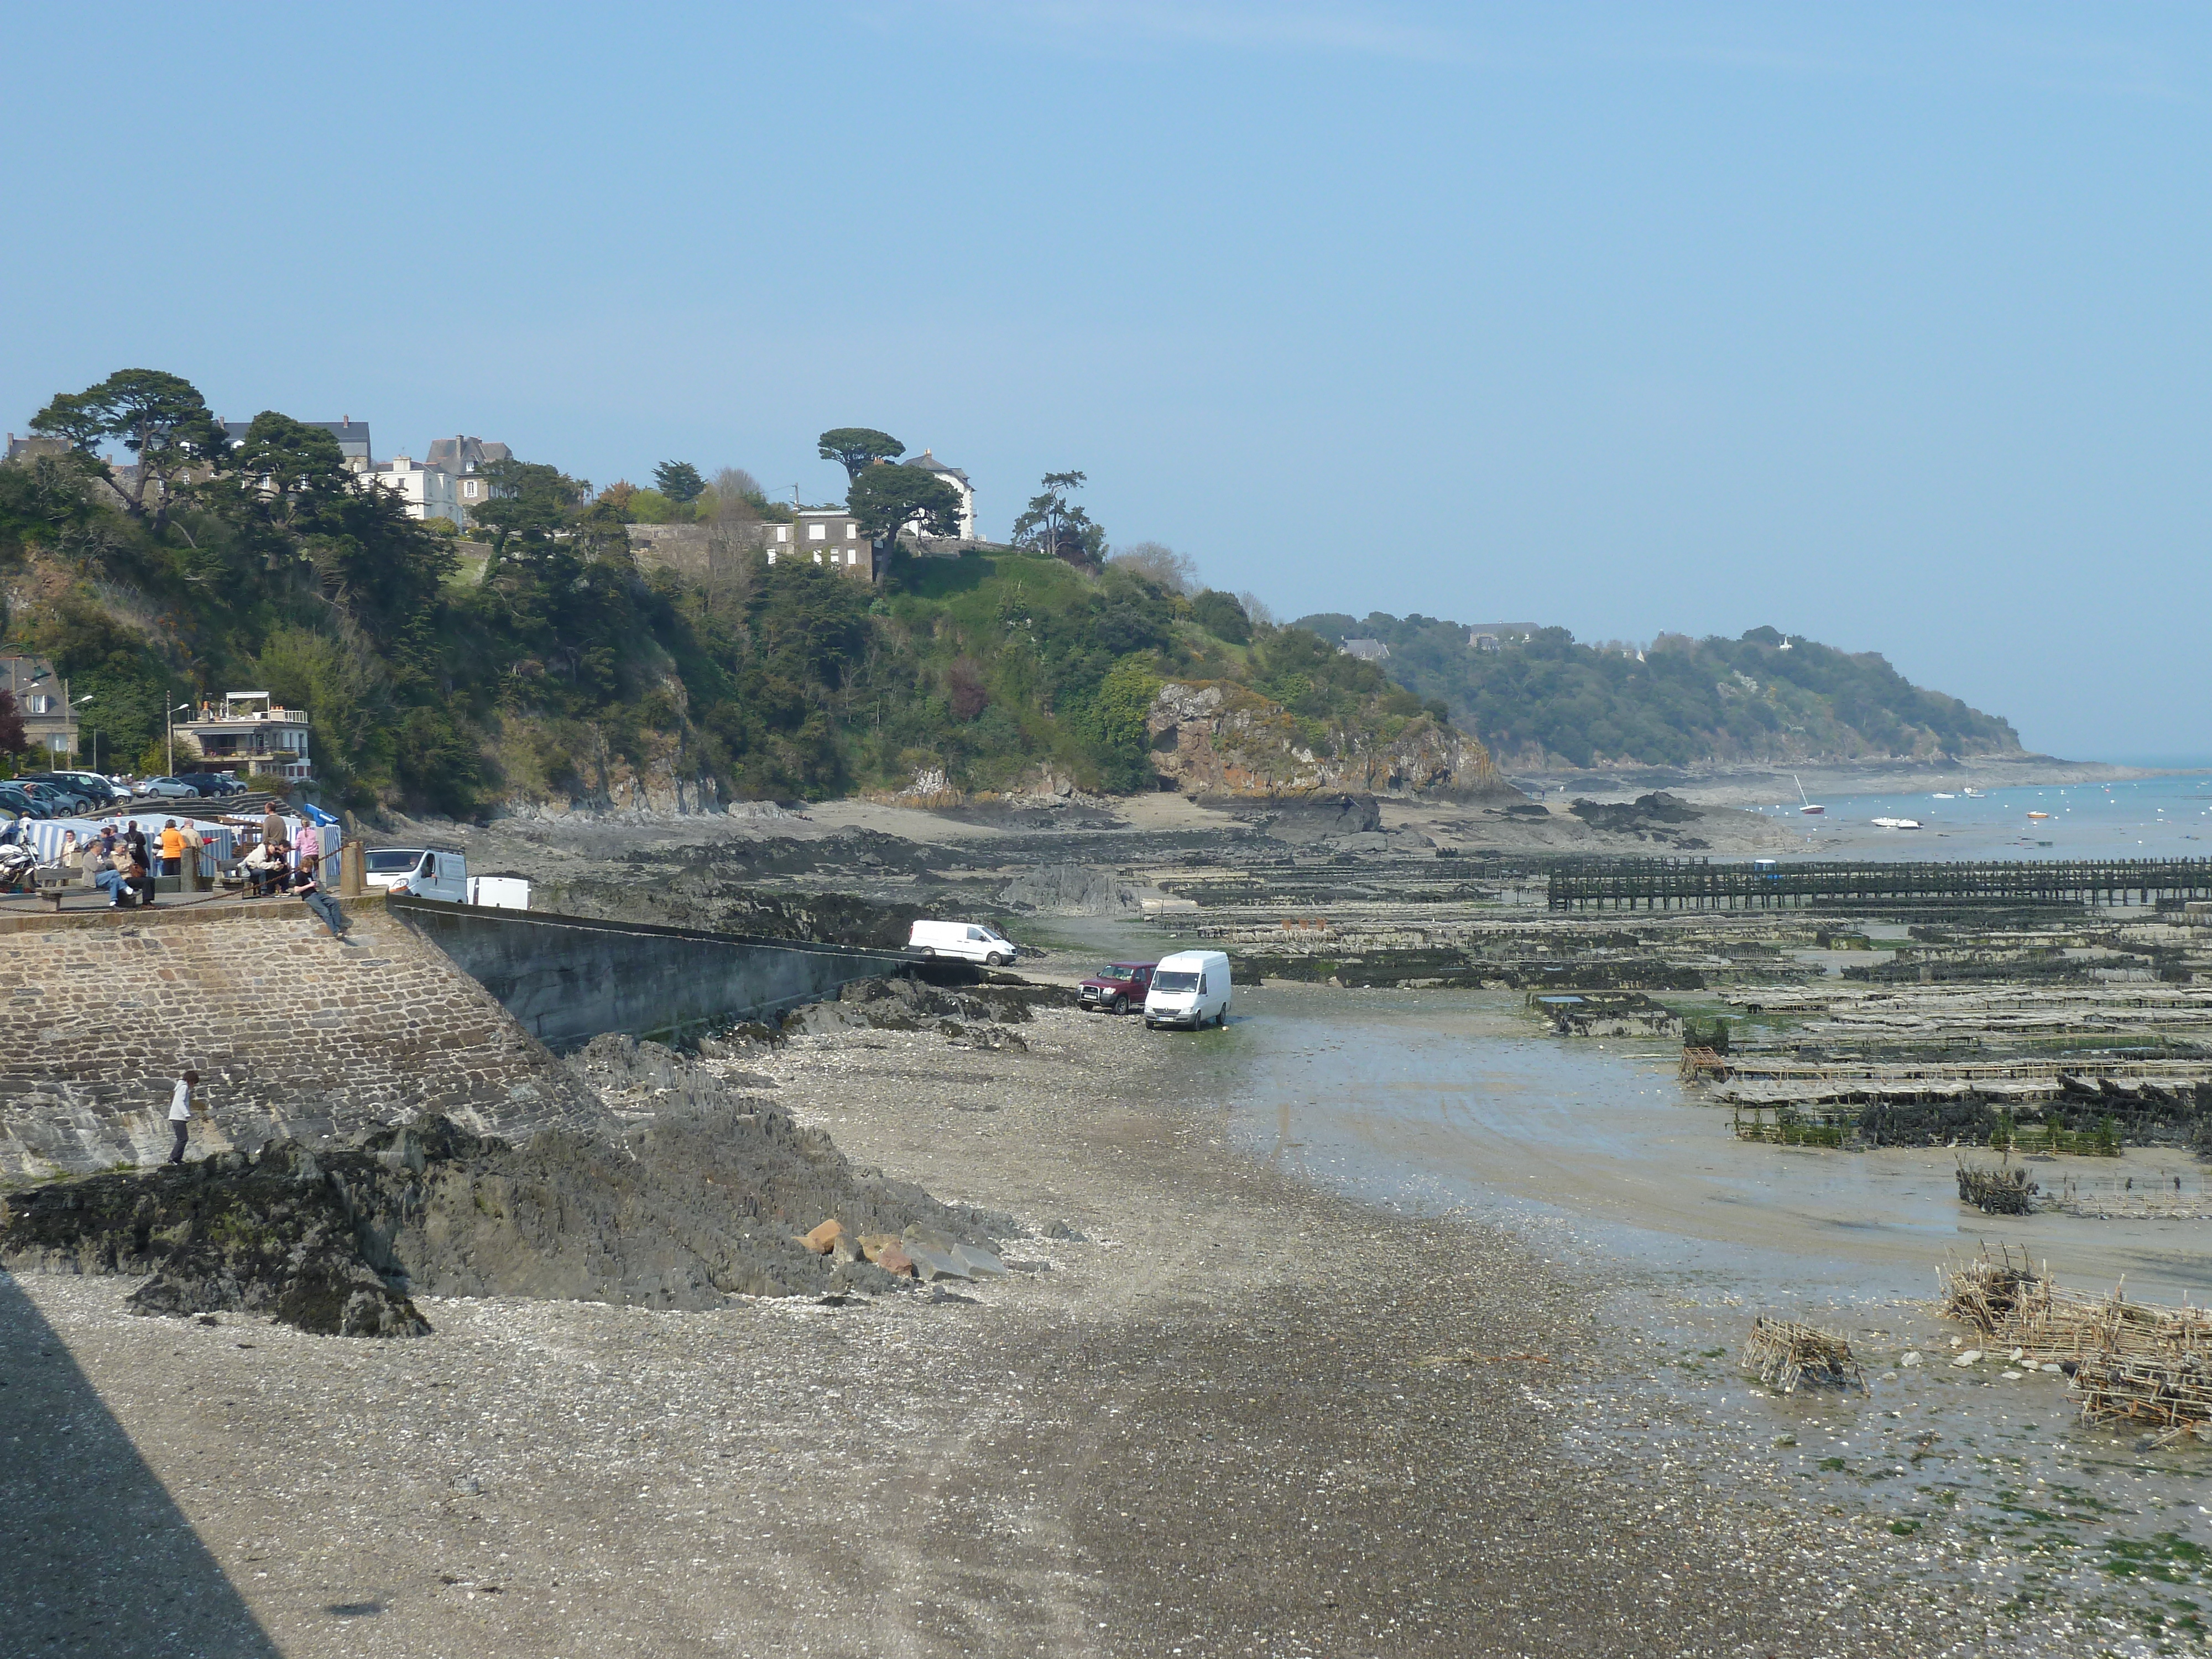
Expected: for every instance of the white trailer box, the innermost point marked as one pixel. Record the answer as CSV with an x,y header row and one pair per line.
x,y
500,892
966,941
1190,988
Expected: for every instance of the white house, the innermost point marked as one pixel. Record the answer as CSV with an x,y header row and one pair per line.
x,y
953,476
424,491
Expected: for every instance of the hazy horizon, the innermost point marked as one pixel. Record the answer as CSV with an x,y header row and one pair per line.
x,y
1884,327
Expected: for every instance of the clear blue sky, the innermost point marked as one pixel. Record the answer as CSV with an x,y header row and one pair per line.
x,y
1882,324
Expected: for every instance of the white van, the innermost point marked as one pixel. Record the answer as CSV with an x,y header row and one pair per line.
x,y
425,871
1190,988
969,941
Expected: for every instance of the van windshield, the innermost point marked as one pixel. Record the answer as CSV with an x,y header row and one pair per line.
x,y
386,863
1173,982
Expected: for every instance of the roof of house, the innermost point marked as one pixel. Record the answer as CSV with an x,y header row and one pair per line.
x,y
465,455
928,463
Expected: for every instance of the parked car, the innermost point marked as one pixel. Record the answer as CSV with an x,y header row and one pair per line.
x,y
966,941
88,791
1191,988
1115,986
18,803
212,783
48,785
58,803
168,789
103,789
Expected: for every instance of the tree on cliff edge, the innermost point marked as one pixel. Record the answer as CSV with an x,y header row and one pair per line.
x,y
162,421
856,448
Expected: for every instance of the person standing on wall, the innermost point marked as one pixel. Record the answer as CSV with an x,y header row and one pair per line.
x,y
172,849
180,1113
272,827
303,883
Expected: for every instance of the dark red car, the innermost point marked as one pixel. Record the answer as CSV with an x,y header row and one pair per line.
x,y
1118,986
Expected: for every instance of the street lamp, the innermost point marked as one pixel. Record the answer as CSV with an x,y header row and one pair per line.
x,y
181,708
79,702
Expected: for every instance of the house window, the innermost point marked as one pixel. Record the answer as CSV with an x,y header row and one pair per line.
x,y
783,532
38,704
472,486
818,558
851,556
817,532
852,532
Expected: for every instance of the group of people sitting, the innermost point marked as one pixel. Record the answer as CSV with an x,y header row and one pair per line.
x,y
123,861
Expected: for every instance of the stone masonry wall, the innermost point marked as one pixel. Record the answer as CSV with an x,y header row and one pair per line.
x,y
291,1032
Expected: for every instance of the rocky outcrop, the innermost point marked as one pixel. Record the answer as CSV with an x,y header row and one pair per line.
x,y
1656,816
703,1196
1075,890
1217,740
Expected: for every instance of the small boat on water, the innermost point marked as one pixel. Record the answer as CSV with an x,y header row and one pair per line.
x,y
1972,794
1940,795
1808,808
1898,823
2038,815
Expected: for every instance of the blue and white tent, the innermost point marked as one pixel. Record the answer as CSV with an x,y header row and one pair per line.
x,y
44,835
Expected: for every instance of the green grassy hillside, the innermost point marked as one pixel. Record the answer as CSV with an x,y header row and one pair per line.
x,y
1683,701
555,668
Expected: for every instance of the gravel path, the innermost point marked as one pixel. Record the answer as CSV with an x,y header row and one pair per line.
x,y
1235,1416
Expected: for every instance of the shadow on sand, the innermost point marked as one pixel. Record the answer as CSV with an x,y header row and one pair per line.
x,y
100,1559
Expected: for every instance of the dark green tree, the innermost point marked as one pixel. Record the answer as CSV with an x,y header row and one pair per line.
x,y
163,422
1053,524
856,448
14,741
886,499
531,504
1221,616
679,481
287,468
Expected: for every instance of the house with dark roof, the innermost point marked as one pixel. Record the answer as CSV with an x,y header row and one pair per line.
x,y
464,459
953,475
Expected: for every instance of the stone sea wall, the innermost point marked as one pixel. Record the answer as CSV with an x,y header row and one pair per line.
x,y
292,1033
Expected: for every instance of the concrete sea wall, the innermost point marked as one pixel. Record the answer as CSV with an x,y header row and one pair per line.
x,y
568,979
292,1033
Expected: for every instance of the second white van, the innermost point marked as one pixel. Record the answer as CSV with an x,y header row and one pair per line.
x,y
966,941
1191,988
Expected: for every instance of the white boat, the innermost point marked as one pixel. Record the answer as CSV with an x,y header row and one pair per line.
x,y
1940,795
1807,807
1898,823
1972,794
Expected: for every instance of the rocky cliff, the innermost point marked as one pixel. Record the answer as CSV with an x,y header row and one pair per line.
x,y
1221,740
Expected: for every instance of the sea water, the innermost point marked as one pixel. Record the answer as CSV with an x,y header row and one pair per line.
x,y
2148,817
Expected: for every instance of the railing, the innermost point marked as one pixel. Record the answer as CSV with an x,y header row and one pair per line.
x,y
1697,885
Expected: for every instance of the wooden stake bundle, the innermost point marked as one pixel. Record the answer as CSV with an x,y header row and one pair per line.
x,y
2130,1360
2173,1394
1784,1354
1996,1192
2014,1305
